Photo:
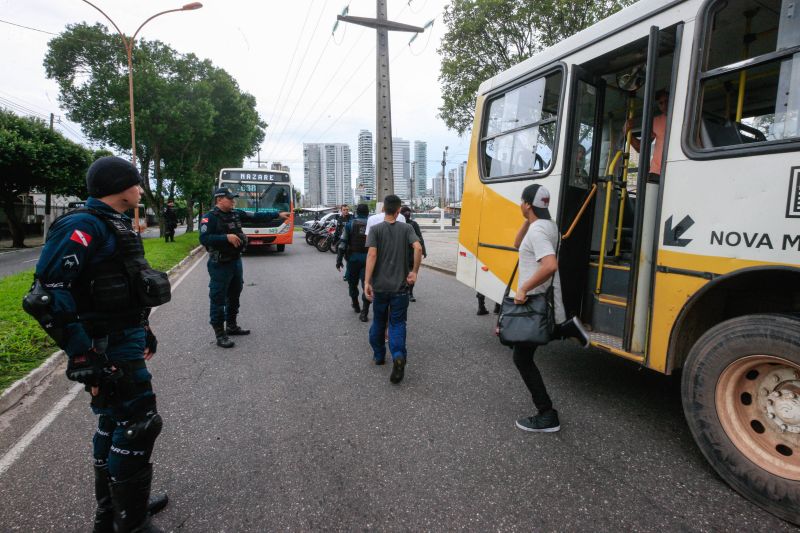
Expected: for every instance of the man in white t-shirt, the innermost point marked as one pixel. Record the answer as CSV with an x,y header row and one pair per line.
x,y
538,242
379,217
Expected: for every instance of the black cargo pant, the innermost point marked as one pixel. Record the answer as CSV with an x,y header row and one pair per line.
x,y
523,359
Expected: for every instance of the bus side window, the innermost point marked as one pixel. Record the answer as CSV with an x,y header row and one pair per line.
x,y
757,101
519,130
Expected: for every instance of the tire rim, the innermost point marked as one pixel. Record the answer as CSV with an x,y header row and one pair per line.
x,y
758,404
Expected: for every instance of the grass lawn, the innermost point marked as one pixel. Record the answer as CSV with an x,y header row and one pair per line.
x,y
23,343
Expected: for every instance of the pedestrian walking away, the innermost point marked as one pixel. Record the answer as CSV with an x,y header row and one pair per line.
x,y
406,212
170,222
386,284
353,249
222,235
92,293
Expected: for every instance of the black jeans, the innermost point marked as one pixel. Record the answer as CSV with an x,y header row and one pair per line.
x,y
523,359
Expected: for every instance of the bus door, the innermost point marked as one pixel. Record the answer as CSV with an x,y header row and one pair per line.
x,y
609,210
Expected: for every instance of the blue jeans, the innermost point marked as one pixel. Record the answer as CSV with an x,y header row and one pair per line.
x,y
391,307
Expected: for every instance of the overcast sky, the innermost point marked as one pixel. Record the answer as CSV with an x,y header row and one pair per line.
x,y
328,91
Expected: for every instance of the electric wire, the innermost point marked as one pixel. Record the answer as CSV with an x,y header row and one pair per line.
x,y
291,62
302,62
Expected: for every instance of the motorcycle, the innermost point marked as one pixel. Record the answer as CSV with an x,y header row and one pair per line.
x,y
327,236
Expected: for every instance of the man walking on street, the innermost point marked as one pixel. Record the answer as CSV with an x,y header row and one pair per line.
x,y
386,284
222,234
353,248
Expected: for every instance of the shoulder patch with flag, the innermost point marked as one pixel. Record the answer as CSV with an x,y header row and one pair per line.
x,y
81,237
204,220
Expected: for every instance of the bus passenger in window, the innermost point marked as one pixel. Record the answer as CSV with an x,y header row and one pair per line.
x,y
658,134
580,178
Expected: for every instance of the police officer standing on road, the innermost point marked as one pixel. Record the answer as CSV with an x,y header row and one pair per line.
x,y
353,247
222,234
92,292
170,222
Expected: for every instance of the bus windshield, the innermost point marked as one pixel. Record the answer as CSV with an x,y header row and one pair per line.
x,y
257,197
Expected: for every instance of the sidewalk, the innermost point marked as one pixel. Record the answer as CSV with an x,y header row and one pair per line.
x,y
442,248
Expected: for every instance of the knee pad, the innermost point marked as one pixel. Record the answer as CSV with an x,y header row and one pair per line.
x,y
145,429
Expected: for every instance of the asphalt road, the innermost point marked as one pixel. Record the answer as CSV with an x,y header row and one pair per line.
x,y
17,260
14,261
295,428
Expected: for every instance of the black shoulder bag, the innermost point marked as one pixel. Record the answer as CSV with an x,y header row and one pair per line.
x,y
531,323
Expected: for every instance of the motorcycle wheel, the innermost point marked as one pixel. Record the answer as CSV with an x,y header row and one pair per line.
x,y
310,238
323,244
334,247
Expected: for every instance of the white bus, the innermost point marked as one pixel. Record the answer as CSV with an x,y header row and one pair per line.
x,y
261,190
685,256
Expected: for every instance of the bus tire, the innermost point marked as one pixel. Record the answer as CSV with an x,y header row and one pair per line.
x,y
741,397
280,247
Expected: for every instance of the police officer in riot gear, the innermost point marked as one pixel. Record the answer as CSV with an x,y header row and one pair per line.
x,y
353,247
222,234
93,291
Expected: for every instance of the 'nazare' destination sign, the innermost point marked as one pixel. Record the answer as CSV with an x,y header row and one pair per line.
x,y
254,175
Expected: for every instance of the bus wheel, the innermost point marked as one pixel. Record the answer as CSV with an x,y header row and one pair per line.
x,y
741,397
280,247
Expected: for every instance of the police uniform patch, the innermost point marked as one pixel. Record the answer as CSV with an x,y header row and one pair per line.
x,y
70,262
81,237
204,221
203,228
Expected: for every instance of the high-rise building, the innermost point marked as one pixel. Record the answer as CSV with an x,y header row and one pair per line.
x,y
277,165
421,168
437,185
401,167
365,183
452,179
462,172
327,173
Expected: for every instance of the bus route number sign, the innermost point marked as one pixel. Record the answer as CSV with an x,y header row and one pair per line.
x,y
267,177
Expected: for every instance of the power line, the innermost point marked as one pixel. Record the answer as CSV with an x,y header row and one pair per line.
x,y
291,62
26,27
305,53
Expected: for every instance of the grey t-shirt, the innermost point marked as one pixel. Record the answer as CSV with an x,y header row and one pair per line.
x,y
391,267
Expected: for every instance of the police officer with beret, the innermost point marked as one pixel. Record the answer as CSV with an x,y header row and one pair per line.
x,y
93,290
222,234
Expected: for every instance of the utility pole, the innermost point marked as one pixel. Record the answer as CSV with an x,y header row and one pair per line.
x,y
413,181
384,184
442,188
47,199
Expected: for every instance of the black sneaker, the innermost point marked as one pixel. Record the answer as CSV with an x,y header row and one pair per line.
x,y
363,316
398,369
379,362
236,330
356,306
546,422
573,328
482,311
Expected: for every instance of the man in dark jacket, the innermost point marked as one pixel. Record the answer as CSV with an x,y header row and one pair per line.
x,y
85,295
170,222
406,212
222,234
353,248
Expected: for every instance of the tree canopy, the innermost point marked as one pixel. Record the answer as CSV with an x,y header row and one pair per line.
x,y
191,117
33,157
485,37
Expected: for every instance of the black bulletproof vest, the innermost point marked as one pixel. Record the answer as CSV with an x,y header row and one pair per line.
x,y
122,285
358,237
230,224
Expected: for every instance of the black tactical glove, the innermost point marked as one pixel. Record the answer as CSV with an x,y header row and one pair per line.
x,y
91,368
339,265
150,341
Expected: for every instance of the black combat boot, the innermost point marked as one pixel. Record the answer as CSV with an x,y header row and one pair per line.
x,y
235,329
130,497
222,338
104,514
356,307
364,315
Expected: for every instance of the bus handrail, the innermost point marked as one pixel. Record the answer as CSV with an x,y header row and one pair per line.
x,y
577,218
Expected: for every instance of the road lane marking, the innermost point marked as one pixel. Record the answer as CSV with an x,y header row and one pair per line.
x,y
15,452
31,260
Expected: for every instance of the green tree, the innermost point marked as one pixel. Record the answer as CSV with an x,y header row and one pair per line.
x,y
33,157
191,117
485,37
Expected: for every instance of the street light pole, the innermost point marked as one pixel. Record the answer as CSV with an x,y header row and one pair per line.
x,y
442,187
128,43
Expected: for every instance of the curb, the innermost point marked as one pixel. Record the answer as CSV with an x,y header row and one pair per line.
x,y
439,269
23,386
